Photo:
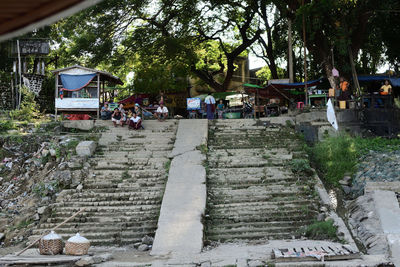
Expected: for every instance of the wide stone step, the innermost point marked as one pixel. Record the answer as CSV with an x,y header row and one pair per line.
x,y
283,234
293,202
250,217
100,203
99,217
88,228
106,222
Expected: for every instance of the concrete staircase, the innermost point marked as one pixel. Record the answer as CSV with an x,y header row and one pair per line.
x,y
252,192
124,190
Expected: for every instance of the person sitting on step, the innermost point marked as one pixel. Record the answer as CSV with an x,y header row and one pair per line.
x,y
116,118
161,113
135,122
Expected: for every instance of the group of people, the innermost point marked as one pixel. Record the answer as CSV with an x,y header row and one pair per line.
x,y
211,107
133,117
385,89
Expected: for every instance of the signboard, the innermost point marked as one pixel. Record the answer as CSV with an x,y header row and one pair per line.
x,y
31,47
77,103
193,103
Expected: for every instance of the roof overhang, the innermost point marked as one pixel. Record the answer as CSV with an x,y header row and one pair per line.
x,y
104,75
22,16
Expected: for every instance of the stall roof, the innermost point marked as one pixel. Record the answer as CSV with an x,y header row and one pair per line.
x,y
103,74
22,16
395,81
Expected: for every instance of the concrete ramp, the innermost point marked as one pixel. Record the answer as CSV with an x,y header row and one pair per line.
x,y
180,230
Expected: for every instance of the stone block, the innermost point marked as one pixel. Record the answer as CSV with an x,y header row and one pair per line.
x,y
84,125
86,148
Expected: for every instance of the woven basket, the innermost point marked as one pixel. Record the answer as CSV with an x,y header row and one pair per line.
x,y
50,247
76,249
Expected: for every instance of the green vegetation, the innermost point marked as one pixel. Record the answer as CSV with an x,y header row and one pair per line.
x,y
125,175
203,148
29,109
6,125
321,230
301,167
336,156
167,166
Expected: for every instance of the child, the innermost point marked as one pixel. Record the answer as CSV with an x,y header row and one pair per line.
x,y
116,118
220,108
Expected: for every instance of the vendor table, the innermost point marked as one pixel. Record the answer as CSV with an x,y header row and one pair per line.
x,y
317,96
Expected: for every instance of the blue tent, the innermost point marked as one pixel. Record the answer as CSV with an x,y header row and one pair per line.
x,y
376,78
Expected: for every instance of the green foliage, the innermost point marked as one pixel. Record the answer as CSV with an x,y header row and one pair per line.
x,y
6,125
125,175
203,149
29,108
301,166
167,166
321,230
336,156
265,74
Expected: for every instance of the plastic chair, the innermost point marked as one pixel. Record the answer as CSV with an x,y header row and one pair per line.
x,y
300,105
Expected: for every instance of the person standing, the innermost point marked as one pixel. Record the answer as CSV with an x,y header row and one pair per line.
x,y
210,102
344,87
220,109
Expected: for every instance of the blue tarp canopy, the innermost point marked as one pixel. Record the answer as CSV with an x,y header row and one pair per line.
x,y
296,85
76,82
376,78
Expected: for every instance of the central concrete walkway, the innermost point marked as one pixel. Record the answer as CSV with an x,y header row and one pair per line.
x,y
180,230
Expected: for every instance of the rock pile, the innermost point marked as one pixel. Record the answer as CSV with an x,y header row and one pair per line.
x,y
33,169
377,167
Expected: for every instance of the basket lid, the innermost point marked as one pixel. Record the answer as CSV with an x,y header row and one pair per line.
x,y
78,239
52,236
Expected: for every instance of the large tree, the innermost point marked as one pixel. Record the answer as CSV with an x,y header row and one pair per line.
x,y
116,31
334,27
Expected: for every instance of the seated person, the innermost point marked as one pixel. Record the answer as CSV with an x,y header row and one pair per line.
x,y
135,122
138,110
220,109
105,112
116,118
123,113
161,113
386,89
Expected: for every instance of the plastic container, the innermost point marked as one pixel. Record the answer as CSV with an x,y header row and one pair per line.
x,y
342,104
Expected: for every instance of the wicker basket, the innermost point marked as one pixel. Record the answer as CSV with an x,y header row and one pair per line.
x,y
77,245
51,244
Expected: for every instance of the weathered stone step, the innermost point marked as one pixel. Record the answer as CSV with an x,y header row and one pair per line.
x,y
282,235
148,172
139,216
88,228
293,202
106,222
100,203
250,217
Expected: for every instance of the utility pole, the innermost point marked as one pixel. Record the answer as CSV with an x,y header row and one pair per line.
x,y
305,61
290,51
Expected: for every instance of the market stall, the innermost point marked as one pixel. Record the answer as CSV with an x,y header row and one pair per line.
x,y
78,89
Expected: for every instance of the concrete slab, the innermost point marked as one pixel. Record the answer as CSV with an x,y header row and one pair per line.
x,y
190,134
180,230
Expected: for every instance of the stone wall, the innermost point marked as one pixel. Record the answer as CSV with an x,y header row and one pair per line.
x,y
5,96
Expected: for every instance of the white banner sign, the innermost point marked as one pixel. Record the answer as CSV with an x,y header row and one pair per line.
x,y
73,103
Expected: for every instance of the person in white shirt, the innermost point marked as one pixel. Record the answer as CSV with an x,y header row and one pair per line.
x,y
135,122
161,113
210,101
